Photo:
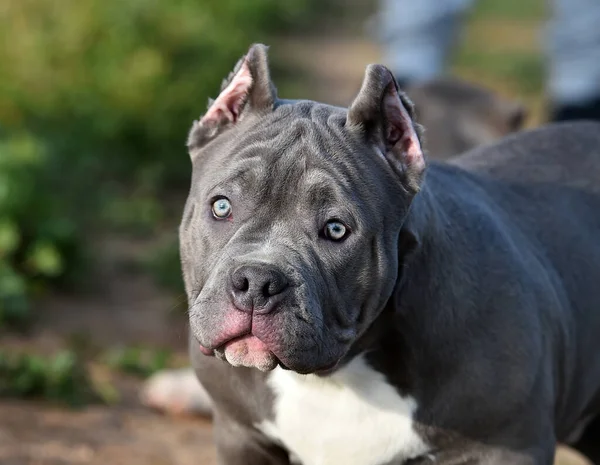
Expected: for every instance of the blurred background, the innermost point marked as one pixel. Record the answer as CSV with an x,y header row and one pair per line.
x,y
96,99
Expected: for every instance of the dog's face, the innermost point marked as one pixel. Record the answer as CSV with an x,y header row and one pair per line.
x,y
289,240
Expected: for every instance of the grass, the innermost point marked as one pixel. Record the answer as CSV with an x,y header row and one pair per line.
x,y
68,378
60,378
138,361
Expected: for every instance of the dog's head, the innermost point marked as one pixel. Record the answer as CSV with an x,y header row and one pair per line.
x,y
289,239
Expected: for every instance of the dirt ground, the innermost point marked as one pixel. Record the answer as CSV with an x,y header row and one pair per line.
x,y
127,307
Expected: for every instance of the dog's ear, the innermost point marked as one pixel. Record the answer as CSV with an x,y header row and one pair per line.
x,y
248,88
385,116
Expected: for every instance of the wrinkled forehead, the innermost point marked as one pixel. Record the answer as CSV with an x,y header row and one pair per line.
x,y
299,148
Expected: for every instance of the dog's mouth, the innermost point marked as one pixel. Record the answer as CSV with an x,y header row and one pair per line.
x,y
249,351
246,350
244,340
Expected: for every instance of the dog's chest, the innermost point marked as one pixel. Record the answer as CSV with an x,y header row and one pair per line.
x,y
353,418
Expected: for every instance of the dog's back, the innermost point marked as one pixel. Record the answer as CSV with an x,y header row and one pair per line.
x,y
459,115
548,201
562,153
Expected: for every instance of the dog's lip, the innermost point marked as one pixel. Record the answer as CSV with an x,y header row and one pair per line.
x,y
219,352
206,351
223,345
282,365
323,371
221,348
326,370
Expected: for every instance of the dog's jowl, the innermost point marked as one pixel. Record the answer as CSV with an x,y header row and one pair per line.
x,y
352,304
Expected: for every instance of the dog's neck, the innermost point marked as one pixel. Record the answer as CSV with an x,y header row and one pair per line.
x,y
426,220
424,227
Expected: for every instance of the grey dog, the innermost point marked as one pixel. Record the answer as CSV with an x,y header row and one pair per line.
x,y
350,303
459,115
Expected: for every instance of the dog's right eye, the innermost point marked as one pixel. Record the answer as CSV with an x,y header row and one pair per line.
x,y
335,230
221,208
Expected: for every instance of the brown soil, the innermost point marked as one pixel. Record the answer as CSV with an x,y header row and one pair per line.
x,y
33,434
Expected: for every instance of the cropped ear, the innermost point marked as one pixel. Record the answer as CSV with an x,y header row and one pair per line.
x,y
385,116
248,88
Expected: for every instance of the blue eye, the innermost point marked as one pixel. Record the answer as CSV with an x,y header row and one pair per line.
x,y
335,230
221,208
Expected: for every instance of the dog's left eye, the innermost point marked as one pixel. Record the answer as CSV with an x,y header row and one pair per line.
x,y
335,230
221,208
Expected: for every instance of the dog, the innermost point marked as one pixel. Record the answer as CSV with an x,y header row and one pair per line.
x,y
352,303
459,115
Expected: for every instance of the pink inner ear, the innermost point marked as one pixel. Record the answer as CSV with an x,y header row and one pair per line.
x,y
228,104
400,130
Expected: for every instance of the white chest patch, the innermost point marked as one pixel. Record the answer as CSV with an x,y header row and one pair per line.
x,y
354,417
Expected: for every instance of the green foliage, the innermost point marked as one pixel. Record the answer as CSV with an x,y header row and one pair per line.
x,y
60,378
115,85
138,361
165,267
96,99
64,377
36,237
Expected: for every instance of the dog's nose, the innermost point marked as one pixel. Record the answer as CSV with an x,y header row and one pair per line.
x,y
257,287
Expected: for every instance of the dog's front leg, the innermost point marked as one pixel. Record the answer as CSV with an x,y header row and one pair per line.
x,y
239,445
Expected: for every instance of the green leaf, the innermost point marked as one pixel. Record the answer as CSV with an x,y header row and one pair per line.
x,y
9,237
45,259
